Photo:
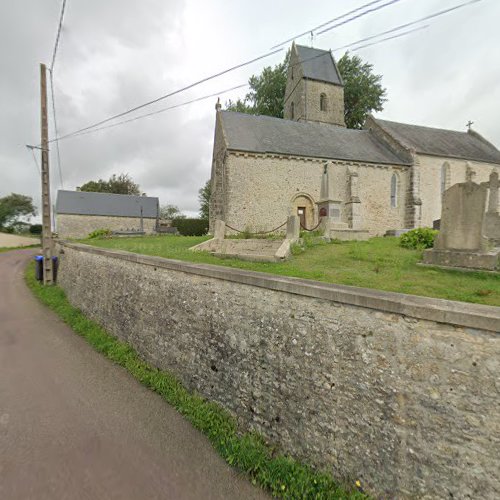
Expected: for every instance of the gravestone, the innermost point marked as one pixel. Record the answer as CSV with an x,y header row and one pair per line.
x,y
468,234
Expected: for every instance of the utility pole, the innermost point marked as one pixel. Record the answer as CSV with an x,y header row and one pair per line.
x,y
48,270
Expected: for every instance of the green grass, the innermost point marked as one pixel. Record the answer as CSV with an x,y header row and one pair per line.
x,y
280,475
8,249
379,263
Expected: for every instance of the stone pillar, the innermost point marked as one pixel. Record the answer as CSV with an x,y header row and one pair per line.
x,y
493,199
219,229
293,227
413,209
327,206
353,205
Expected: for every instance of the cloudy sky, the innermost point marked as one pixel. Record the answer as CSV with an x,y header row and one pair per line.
x,y
117,54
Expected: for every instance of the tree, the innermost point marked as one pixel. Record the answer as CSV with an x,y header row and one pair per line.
x,y
171,212
204,198
14,206
118,184
363,91
267,92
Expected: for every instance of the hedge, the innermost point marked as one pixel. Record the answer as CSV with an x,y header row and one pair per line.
x,y
191,227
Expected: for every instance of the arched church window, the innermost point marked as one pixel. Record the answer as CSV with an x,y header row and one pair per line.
x,y
445,177
394,191
322,102
292,110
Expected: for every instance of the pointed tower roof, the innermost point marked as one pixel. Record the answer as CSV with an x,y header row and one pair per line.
x,y
318,65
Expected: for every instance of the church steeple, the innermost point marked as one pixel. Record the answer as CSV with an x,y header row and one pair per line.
x,y
314,90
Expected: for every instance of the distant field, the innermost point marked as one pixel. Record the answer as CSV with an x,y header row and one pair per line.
x,y
378,263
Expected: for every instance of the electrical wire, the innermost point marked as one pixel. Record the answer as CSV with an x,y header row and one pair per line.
x,y
406,25
178,91
160,111
312,30
56,45
390,37
58,153
35,160
362,14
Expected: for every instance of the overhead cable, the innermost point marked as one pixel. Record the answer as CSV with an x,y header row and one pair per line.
x,y
178,91
312,30
406,25
362,14
56,45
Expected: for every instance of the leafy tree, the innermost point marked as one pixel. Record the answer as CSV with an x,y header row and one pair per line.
x,y
118,184
204,198
171,212
363,91
267,92
14,206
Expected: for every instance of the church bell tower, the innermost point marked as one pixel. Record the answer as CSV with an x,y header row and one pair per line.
x,y
314,89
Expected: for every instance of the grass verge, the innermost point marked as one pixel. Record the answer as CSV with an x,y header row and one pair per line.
x,y
8,249
282,476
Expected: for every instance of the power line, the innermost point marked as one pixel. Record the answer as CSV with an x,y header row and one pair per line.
x,y
56,45
58,153
159,111
312,30
362,14
406,25
34,159
391,37
178,91
85,132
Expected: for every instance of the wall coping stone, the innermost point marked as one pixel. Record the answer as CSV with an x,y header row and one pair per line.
x,y
462,314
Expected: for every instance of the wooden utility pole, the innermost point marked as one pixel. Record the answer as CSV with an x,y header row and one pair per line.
x,y
48,269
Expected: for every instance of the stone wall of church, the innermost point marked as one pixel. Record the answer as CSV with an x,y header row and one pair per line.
x,y
261,191
430,181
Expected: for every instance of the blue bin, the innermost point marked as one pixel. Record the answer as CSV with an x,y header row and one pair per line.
x,y
39,267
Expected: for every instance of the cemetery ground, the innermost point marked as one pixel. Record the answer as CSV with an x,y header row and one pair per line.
x,y
379,263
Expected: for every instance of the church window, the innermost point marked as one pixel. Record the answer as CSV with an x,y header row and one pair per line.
x,y
445,177
394,191
322,102
292,110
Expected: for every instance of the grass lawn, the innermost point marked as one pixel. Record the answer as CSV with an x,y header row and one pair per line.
x,y
378,263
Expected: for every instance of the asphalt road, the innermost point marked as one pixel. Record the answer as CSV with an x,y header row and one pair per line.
x,y
75,426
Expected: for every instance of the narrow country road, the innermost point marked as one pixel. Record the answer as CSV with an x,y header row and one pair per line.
x,y
75,426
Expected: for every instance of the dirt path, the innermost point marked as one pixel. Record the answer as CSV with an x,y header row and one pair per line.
x,y
13,240
75,426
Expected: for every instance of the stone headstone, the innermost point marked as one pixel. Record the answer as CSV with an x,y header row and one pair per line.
x,y
462,217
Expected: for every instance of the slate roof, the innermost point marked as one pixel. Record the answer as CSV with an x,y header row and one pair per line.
x,y
318,65
265,134
106,204
440,142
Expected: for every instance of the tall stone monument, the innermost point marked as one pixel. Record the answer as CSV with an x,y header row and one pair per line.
x,y
469,235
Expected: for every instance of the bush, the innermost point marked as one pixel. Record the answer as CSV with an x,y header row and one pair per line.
x,y
191,227
418,239
36,229
100,233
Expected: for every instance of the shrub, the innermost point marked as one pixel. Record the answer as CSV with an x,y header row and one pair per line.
x,y
100,233
418,239
191,227
36,229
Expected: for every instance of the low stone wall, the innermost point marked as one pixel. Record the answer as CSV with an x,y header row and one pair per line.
x,y
80,226
397,391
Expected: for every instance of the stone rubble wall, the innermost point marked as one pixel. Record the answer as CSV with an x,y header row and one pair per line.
x,y
80,226
396,391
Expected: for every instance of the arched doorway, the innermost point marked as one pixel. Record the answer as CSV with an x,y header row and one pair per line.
x,y
304,206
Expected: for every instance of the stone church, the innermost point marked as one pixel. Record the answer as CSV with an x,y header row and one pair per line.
x,y
388,176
